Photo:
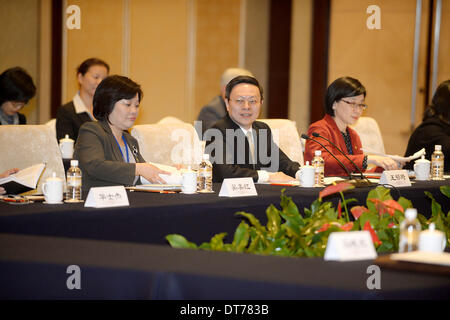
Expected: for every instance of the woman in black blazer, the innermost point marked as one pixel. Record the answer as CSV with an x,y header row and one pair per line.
x,y
107,153
72,115
16,89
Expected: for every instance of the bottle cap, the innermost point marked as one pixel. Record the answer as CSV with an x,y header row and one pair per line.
x,y
318,152
410,213
437,147
74,163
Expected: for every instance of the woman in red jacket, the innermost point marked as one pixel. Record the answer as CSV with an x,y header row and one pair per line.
x,y
344,104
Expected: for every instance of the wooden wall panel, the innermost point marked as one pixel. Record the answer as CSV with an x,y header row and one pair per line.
x,y
158,57
19,38
444,45
217,46
100,36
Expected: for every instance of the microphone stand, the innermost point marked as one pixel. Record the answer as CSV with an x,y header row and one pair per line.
x,y
362,181
306,137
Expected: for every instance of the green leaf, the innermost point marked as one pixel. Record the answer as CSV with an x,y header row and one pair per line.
x,y
380,193
253,220
405,203
241,237
369,216
445,190
217,241
178,241
435,207
273,220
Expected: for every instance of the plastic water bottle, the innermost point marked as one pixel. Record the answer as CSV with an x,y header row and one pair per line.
x,y
204,182
73,176
409,232
319,164
437,163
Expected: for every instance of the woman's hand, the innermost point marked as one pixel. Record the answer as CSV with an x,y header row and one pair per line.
x,y
279,177
5,174
8,172
385,162
150,172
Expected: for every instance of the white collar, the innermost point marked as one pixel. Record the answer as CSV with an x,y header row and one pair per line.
x,y
79,105
245,130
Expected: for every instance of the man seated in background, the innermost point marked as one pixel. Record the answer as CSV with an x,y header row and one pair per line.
x,y
215,109
239,145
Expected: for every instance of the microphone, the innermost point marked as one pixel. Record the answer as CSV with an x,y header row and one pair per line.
x,y
306,137
368,183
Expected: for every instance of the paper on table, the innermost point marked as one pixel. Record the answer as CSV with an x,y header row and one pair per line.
x,y
174,178
416,155
423,257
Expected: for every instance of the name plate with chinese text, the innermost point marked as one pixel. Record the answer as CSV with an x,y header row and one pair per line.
x,y
396,178
350,246
105,197
237,187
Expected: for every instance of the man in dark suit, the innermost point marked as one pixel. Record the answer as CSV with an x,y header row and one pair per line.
x,y
239,145
216,109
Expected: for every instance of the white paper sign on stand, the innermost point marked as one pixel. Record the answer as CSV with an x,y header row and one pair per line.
x,y
105,197
350,246
396,178
237,187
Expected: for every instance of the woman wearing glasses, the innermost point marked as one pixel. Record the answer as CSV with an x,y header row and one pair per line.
x,y
344,104
16,89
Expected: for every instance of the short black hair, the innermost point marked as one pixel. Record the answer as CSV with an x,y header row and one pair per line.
x,y
440,104
112,89
342,88
86,64
242,79
16,85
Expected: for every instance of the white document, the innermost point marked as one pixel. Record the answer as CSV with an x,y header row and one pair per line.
x,y
23,180
442,258
397,158
237,187
173,178
350,246
106,197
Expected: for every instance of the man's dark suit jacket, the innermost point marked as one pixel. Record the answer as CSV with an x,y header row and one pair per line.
x,y
238,164
211,113
69,122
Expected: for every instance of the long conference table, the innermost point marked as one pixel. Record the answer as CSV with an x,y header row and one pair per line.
x,y
123,252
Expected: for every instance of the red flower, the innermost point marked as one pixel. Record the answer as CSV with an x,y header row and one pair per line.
x,y
339,209
391,225
357,211
373,234
323,228
332,189
347,226
388,206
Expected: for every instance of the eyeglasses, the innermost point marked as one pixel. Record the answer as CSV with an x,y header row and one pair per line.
x,y
360,106
241,101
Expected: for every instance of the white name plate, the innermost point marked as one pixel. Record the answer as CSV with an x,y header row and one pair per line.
x,y
237,187
396,178
350,246
105,197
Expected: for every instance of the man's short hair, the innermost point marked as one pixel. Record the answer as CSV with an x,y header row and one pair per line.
x,y
231,73
242,79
